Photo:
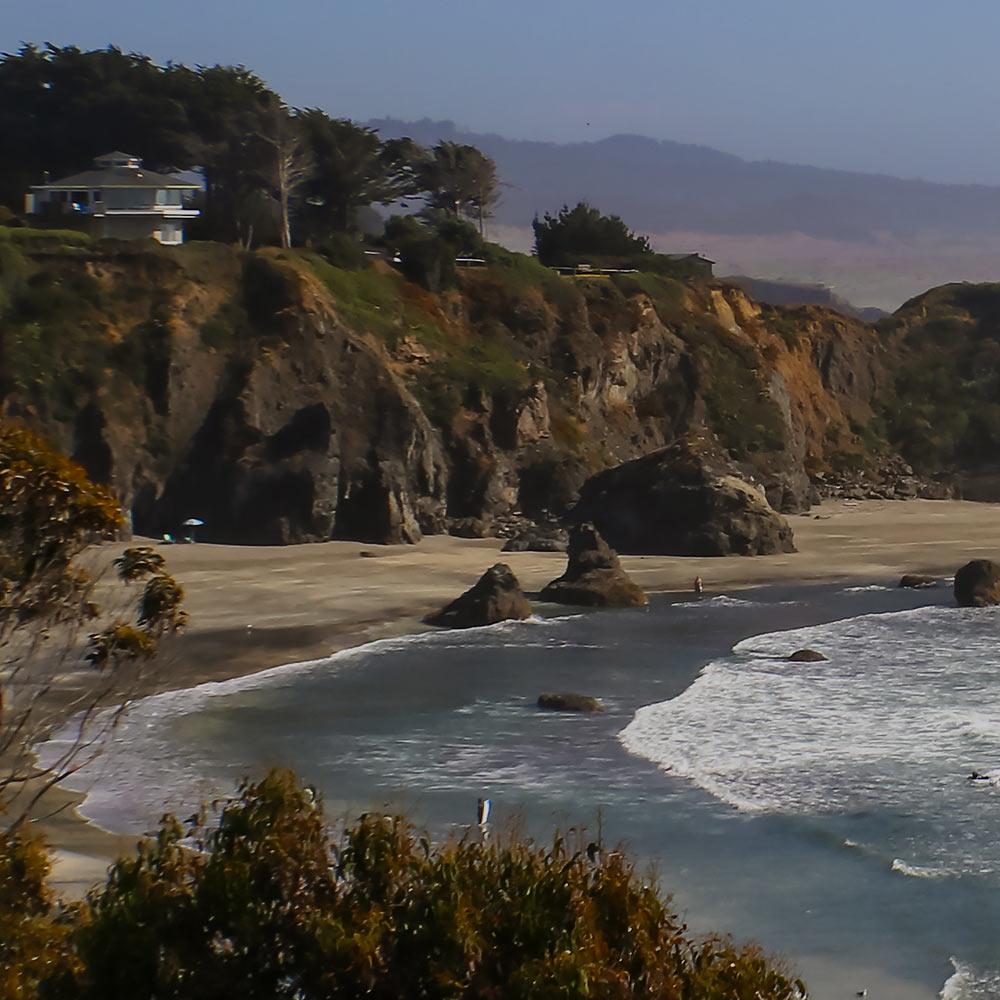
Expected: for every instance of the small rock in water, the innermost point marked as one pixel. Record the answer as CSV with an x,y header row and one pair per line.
x,y
914,581
807,656
569,702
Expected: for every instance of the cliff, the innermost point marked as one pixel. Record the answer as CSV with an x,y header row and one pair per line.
x,y
282,399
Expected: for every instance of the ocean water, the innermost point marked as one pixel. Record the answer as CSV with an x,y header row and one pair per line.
x,y
821,809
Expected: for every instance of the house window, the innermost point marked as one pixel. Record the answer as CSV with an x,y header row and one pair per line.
x,y
98,196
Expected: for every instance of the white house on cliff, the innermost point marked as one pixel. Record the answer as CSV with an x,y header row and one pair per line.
x,y
118,198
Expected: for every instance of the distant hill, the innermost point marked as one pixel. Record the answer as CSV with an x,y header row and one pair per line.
x,y
660,186
876,240
779,293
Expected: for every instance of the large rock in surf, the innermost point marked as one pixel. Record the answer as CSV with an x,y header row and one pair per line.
x,y
567,701
977,584
917,581
594,577
681,501
807,656
496,597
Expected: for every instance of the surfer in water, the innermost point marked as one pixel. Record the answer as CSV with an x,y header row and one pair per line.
x,y
976,776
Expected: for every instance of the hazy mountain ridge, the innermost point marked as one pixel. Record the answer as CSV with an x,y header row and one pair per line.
x,y
661,186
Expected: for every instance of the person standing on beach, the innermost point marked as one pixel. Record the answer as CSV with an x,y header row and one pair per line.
x,y
698,586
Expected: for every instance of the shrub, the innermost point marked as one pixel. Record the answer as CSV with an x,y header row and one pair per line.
x,y
268,907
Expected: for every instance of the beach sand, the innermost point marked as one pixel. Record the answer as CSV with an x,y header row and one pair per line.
x,y
256,607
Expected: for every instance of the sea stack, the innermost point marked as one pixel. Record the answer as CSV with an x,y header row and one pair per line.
x,y
594,576
495,597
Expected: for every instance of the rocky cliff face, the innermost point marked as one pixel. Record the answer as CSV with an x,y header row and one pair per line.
x,y
281,399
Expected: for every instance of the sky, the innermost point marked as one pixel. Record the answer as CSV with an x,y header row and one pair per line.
x,y
903,87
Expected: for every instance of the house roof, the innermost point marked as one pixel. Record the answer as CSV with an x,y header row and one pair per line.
x,y
117,177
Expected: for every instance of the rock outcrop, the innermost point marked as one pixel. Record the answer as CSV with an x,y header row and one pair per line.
x,y
280,398
977,584
807,656
682,501
569,702
594,576
496,597
917,581
538,539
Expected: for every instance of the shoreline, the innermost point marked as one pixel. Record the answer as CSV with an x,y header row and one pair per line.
x,y
307,602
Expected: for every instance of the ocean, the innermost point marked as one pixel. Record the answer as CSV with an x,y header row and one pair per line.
x,y
823,810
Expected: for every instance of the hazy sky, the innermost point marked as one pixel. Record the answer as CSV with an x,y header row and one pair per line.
x,y
907,87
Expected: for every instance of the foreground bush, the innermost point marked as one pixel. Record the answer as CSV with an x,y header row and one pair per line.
x,y
267,907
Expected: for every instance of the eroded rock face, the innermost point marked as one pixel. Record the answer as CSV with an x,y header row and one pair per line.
x,y
496,597
679,501
977,584
594,576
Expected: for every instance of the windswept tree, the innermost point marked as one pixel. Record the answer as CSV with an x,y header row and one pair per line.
x,y
285,162
354,168
583,233
228,107
462,180
49,602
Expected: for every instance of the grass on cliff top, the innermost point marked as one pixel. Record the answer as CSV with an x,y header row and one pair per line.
x,y
37,239
383,303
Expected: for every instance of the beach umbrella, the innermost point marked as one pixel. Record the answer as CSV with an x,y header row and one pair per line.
x,y
191,523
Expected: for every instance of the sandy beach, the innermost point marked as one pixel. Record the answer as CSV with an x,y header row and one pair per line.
x,y
257,607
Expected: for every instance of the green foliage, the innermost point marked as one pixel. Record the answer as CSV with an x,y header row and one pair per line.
x,y
269,908
667,294
34,930
459,179
261,161
353,169
486,365
369,299
740,409
43,239
49,513
942,407
344,251
581,233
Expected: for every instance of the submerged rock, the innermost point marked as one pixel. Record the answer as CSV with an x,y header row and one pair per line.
x,y
594,576
569,702
977,584
496,597
682,501
915,581
807,656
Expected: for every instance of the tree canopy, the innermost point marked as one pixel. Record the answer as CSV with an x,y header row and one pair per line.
x,y
582,233
270,905
267,168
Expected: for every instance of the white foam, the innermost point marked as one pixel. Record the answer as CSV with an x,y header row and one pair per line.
x,y
968,983
722,601
894,720
920,871
146,770
867,588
